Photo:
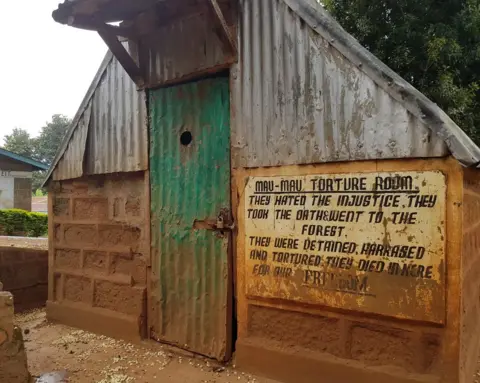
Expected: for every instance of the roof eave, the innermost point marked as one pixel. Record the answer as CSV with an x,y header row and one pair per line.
x,y
17,157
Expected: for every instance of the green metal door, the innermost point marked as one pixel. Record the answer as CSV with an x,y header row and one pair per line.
x,y
190,303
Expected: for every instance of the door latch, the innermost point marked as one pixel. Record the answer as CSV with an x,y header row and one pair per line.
x,y
222,226
219,224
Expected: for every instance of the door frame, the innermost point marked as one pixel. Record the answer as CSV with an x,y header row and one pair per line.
x,y
231,320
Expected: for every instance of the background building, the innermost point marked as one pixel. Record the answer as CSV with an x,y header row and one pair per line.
x,y
16,180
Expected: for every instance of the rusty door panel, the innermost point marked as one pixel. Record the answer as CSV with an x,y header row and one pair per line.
x,y
190,183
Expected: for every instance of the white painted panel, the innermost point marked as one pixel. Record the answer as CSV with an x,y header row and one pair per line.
x,y
6,192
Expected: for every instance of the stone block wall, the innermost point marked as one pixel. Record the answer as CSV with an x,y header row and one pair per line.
x,y
390,350
99,251
13,358
470,334
24,273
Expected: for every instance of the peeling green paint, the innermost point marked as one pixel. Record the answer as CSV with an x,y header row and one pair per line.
x,y
190,182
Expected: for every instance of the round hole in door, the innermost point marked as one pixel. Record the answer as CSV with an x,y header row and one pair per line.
x,y
186,138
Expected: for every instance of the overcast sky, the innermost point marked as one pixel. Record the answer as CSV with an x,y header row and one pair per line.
x,y
46,68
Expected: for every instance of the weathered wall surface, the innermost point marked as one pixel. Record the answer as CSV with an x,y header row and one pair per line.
x,y
15,192
299,342
9,164
99,251
109,131
297,100
22,193
24,273
13,359
470,338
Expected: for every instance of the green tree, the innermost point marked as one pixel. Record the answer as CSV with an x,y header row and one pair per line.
x,y
42,148
19,142
47,143
433,44
50,138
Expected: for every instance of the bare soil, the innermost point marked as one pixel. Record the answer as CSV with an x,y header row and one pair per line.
x,y
91,358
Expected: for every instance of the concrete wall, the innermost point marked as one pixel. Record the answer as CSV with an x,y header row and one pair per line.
x,y
15,192
13,359
303,343
470,339
24,273
99,250
22,193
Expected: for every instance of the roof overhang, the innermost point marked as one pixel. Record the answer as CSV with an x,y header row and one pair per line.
x,y
127,19
25,160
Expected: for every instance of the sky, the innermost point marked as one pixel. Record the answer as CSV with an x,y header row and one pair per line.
x,y
46,67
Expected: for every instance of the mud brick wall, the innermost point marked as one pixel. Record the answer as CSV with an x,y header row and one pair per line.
x,y
470,330
24,273
410,349
13,359
98,253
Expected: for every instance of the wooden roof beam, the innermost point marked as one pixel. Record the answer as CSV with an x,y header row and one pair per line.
x,y
123,57
225,34
89,23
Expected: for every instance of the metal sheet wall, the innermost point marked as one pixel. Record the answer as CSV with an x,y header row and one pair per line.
x,y
297,100
118,130
109,130
71,164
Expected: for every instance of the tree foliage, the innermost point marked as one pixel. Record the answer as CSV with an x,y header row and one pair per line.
x,y
433,44
42,148
19,142
50,138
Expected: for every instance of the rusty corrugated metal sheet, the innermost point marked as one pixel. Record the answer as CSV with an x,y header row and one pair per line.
x,y
190,305
109,129
297,100
71,165
181,49
118,131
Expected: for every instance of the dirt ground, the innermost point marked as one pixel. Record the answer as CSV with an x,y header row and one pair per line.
x,y
90,358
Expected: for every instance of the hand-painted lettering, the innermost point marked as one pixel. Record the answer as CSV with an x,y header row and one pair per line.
x,y
378,235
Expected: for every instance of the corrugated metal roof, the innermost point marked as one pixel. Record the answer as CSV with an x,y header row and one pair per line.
x,y
109,129
306,91
71,164
458,143
17,157
298,100
181,48
118,137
